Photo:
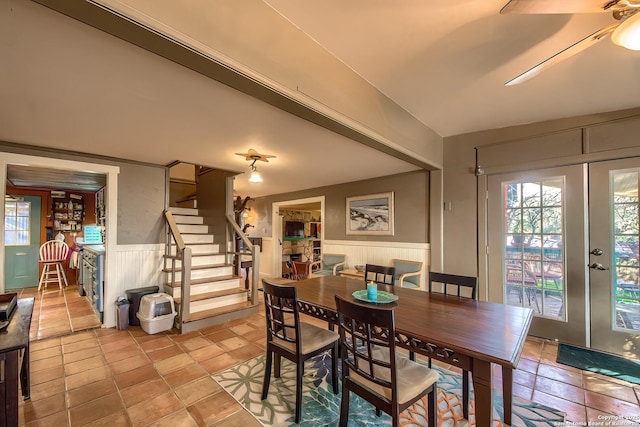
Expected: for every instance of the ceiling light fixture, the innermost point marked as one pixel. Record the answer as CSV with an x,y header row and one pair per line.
x,y
254,156
628,33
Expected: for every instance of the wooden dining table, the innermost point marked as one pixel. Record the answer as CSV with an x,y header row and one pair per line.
x,y
462,332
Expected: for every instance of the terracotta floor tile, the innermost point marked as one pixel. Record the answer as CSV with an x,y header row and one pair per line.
x,y
136,376
123,353
119,419
33,410
597,385
575,412
559,374
181,418
89,392
124,342
81,355
45,375
164,353
154,409
144,391
80,345
87,377
58,419
173,363
45,353
523,378
233,343
96,409
82,336
219,363
42,344
128,364
611,404
157,343
558,388
241,418
48,363
220,335
184,375
214,408
195,343
47,389
528,365
82,365
196,390
247,352
522,391
87,321
243,329
190,335
205,353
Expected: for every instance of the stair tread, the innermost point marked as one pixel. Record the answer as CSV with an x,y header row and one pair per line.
x,y
205,280
199,254
220,310
197,267
216,294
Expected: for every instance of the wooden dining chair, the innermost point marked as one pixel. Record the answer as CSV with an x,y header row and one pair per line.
x,y
461,286
292,339
380,274
52,256
301,270
372,369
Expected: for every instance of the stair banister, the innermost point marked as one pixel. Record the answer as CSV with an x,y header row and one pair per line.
x,y
184,254
255,256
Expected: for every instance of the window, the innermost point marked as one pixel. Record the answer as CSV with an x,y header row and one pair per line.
x,y
534,263
16,223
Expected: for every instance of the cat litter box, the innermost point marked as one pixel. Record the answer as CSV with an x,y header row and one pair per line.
x,y
156,313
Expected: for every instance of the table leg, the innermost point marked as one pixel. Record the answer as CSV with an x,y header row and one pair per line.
x,y
10,386
483,392
25,374
507,393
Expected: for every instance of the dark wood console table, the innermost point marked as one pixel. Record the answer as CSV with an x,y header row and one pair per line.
x,y
13,341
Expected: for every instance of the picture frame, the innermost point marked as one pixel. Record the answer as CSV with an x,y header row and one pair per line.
x,y
371,214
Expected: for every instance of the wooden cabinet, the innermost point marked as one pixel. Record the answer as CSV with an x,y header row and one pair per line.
x,y
67,213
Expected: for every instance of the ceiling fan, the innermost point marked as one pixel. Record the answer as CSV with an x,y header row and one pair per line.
x,y
625,32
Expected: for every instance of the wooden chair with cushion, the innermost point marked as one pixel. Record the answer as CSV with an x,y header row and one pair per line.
x,y
461,286
373,370
329,265
409,273
292,339
380,274
301,270
52,254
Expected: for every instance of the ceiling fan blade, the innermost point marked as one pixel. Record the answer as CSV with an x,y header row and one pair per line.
x,y
575,48
564,6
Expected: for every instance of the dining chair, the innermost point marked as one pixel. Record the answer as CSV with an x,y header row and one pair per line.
x,y
461,286
409,273
380,274
329,265
292,339
372,369
52,254
301,270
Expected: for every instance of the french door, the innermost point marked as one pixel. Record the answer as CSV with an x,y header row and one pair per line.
x,y
536,248
565,243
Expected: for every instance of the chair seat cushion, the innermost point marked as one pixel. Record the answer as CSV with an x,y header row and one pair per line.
x,y
412,378
312,337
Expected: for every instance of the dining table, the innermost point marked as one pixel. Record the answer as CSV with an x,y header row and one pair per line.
x,y
463,332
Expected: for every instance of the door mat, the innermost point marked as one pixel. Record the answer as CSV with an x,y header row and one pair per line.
x,y
602,363
320,407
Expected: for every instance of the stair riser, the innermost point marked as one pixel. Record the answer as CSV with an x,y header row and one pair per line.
x,y
203,288
193,228
211,303
190,204
183,219
204,273
197,238
200,249
183,211
203,260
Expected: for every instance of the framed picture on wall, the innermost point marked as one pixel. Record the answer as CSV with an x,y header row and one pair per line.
x,y
371,214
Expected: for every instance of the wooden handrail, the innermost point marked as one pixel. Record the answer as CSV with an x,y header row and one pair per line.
x,y
183,253
253,250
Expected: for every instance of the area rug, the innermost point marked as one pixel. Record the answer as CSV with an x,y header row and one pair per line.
x,y
321,407
599,362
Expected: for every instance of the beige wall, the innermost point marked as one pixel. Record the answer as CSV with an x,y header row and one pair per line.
x,y
528,147
411,200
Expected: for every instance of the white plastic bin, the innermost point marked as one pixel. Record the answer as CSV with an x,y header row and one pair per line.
x,y
156,313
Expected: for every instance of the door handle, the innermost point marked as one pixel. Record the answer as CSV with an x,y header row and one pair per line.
x,y
596,252
598,266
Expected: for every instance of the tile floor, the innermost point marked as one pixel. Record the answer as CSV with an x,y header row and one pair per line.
x,y
128,378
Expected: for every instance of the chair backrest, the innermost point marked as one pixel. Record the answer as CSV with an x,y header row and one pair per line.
x,y
282,316
301,269
329,260
54,250
367,339
405,267
381,274
451,284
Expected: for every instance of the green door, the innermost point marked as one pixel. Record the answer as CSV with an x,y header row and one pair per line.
x,y
21,242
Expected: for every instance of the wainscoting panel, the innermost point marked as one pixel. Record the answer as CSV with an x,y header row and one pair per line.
x,y
137,266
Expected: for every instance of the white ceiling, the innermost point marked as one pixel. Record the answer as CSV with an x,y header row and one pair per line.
x,y
69,86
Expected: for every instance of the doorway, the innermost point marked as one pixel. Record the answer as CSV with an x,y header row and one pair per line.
x,y
313,205
564,242
22,241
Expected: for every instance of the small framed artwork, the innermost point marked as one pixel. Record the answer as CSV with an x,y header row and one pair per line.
x,y
370,215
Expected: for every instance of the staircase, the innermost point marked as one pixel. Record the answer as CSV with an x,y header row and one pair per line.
x,y
216,294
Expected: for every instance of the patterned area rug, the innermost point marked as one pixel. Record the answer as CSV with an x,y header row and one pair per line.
x,y
321,407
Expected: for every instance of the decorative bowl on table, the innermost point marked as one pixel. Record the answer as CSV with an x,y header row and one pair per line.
x,y
359,268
